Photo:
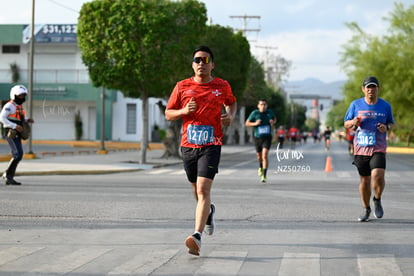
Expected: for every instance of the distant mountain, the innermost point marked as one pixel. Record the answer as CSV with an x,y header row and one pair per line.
x,y
313,86
316,86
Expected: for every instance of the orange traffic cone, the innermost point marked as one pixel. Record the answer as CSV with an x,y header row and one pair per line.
x,y
328,164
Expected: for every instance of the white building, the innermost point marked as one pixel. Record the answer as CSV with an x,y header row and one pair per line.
x,y
62,88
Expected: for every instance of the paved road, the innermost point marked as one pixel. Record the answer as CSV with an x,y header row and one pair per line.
x,y
301,222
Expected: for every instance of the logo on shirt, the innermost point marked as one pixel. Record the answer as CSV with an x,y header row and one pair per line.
x,y
216,92
189,92
370,114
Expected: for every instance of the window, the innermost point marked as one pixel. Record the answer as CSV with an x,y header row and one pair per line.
x,y
11,49
131,119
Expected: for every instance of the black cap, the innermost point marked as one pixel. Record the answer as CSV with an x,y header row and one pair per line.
x,y
370,80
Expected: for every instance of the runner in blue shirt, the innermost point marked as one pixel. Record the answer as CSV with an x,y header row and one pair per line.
x,y
371,117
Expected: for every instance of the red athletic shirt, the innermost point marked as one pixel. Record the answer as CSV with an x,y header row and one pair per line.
x,y
202,127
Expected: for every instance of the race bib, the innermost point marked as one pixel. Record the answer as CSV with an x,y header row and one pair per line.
x,y
200,135
263,130
366,138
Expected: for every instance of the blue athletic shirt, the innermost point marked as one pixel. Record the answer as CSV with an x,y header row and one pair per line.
x,y
368,139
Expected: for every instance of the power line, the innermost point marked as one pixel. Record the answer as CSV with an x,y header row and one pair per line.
x,y
63,6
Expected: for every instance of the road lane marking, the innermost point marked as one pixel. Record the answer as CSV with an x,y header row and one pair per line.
x,y
13,253
226,172
165,171
300,264
222,263
144,264
71,261
378,264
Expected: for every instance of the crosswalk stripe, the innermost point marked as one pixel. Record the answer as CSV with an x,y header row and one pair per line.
x,y
144,264
13,253
300,264
222,263
217,262
72,261
378,264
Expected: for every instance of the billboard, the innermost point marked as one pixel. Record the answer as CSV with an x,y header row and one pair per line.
x,y
51,33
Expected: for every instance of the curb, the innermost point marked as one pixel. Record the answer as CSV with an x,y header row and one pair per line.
x,y
77,172
93,172
400,150
109,146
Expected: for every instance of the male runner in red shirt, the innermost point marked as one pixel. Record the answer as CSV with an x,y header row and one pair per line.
x,y
199,101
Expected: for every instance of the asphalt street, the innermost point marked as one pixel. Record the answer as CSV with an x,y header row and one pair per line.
x,y
302,221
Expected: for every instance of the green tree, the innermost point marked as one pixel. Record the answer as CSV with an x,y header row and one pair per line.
x,y
335,117
232,52
296,115
232,59
389,57
139,47
257,89
311,124
256,86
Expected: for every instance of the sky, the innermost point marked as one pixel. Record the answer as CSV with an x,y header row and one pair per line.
x,y
308,33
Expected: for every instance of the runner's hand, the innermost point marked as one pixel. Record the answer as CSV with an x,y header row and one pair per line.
x,y
226,119
190,107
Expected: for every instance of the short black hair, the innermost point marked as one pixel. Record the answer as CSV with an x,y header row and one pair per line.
x,y
206,49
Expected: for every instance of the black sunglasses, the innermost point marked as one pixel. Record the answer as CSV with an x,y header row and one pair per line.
x,y
205,60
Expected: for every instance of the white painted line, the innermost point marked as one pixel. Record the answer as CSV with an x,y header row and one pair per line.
x,y
165,171
300,264
144,264
378,265
222,263
226,172
70,262
13,253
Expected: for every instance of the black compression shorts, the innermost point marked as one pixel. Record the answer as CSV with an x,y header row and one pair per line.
x,y
202,162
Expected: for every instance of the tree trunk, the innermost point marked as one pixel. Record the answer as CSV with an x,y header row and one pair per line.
x,y
409,137
172,140
145,130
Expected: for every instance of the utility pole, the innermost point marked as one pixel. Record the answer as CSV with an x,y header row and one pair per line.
x,y
266,64
30,154
244,30
244,19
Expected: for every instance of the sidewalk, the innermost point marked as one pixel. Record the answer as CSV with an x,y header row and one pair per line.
x,y
112,162
84,159
74,157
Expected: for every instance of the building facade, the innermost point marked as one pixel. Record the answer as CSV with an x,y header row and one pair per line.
x,y
62,91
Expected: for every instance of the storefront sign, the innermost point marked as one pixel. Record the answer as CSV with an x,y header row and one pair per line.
x,y
50,91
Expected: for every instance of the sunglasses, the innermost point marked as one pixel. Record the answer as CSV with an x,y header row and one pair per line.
x,y
205,60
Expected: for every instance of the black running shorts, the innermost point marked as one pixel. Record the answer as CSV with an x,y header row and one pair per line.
x,y
365,164
264,142
202,162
